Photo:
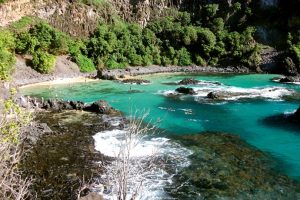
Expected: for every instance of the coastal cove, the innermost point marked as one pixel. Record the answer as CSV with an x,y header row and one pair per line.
x,y
248,116
250,111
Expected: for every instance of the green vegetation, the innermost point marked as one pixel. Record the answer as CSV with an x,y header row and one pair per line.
x,y
179,39
293,53
7,58
23,24
43,62
3,1
92,2
13,118
171,41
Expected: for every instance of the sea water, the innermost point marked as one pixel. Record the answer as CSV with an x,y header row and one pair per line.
x,y
254,99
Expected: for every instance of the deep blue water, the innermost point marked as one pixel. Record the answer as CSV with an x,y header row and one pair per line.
x,y
245,116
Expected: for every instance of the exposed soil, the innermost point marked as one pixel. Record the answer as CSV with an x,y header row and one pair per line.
x,y
64,68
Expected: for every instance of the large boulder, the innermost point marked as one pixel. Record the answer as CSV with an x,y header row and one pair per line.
x,y
213,95
101,107
185,90
188,81
296,116
289,79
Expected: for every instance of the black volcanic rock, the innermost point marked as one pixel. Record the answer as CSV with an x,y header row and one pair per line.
x,y
184,90
296,116
101,107
188,81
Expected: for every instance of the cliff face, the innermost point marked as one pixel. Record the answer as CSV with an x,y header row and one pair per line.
x,y
14,10
78,19
73,18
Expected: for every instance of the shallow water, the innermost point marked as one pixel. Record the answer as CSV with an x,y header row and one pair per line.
x,y
245,116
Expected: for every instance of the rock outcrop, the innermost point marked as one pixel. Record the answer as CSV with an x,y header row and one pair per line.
x,y
188,81
296,116
100,106
184,90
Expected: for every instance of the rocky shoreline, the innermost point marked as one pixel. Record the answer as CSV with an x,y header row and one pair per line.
x,y
59,149
135,71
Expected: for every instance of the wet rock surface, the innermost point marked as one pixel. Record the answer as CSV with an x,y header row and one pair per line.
x,y
225,167
188,81
287,79
64,156
184,90
135,81
100,106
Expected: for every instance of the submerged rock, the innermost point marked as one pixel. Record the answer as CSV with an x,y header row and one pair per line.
x,y
212,95
135,81
225,167
184,90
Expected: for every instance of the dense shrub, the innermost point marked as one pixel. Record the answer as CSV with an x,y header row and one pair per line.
x,y
85,64
42,37
43,62
7,58
293,51
179,39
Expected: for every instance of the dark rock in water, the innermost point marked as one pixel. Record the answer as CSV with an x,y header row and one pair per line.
x,y
188,81
101,107
296,116
288,79
284,121
213,95
184,90
135,81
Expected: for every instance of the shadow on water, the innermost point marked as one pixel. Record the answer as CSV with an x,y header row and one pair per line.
x,y
281,121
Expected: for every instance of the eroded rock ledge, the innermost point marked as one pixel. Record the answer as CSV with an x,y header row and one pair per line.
x,y
135,71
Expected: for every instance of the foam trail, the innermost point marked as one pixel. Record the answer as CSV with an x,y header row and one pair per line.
x,y
168,158
231,93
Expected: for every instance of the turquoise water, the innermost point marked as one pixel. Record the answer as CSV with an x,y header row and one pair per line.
x,y
245,117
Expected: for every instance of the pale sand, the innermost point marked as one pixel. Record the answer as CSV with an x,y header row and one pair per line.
x,y
61,81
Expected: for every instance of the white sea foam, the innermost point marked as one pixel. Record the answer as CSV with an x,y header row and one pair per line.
x,y
168,158
231,93
205,83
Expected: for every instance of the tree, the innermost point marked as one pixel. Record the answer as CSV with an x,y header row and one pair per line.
x,y
43,62
7,58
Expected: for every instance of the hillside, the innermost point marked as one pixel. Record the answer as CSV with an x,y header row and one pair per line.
x,y
167,32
